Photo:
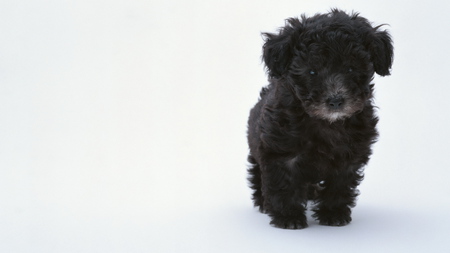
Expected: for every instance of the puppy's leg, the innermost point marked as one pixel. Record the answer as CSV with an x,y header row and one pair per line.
x,y
336,198
284,198
254,179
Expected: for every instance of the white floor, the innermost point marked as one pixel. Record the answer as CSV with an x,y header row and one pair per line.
x,y
123,129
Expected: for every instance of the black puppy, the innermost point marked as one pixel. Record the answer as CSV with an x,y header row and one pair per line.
x,y
310,134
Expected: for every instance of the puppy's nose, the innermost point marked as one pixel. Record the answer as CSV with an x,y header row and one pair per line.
x,y
335,102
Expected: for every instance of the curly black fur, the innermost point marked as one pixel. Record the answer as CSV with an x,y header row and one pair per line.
x,y
310,134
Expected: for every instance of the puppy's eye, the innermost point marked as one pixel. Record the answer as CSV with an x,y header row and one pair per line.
x,y
312,72
350,70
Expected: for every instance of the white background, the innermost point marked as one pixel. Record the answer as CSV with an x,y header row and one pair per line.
x,y
123,129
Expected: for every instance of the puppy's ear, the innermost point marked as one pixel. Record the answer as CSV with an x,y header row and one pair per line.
x,y
278,48
381,50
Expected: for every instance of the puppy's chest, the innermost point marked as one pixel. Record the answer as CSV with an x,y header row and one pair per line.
x,y
323,142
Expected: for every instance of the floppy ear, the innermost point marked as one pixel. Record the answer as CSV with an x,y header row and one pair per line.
x,y
278,49
381,51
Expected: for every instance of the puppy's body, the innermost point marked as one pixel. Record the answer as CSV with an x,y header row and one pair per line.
x,y
311,131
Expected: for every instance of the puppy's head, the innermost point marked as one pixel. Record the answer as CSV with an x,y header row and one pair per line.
x,y
328,62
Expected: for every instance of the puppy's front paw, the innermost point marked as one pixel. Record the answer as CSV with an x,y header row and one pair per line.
x,y
289,223
334,218
335,221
